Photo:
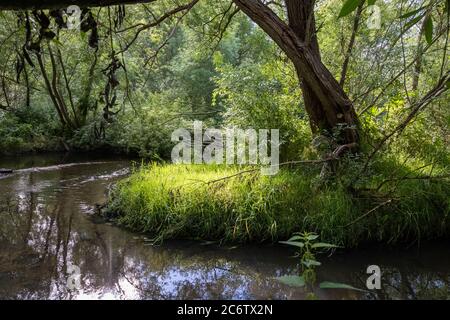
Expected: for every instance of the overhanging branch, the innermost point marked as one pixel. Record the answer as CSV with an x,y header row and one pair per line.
x,y
187,7
52,4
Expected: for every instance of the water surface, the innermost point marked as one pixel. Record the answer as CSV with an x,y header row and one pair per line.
x,y
48,231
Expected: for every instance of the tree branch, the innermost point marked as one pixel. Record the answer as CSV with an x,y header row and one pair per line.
x,y
54,4
351,44
155,23
367,213
438,89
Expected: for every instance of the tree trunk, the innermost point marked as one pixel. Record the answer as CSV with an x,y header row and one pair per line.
x,y
302,23
326,103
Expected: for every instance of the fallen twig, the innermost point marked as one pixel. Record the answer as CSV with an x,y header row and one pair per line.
x,y
367,213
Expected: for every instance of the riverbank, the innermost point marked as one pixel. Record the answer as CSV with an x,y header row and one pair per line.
x,y
221,204
60,146
55,208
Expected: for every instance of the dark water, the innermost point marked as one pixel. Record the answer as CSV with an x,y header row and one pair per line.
x,y
48,233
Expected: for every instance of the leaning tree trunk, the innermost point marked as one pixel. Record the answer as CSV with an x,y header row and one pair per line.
x,y
325,101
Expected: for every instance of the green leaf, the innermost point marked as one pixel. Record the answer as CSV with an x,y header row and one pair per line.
x,y
412,22
371,2
323,245
381,115
429,30
294,243
293,238
57,42
348,7
309,262
294,281
312,237
411,13
337,285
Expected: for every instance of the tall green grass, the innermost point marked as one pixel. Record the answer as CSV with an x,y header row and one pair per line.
x,y
186,201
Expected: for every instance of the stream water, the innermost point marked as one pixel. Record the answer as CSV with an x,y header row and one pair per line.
x,y
53,247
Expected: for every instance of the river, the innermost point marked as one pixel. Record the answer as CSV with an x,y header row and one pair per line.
x,y
52,246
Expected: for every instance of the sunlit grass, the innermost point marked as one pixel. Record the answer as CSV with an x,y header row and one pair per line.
x,y
186,201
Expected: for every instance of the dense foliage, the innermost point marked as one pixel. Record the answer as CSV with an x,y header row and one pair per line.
x,y
133,74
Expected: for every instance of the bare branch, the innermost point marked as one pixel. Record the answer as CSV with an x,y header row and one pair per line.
x,y
142,27
368,212
398,75
438,89
351,43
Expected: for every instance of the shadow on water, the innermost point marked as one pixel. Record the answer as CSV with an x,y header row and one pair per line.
x,y
47,229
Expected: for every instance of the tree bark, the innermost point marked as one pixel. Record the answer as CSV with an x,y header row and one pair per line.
x,y
303,24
